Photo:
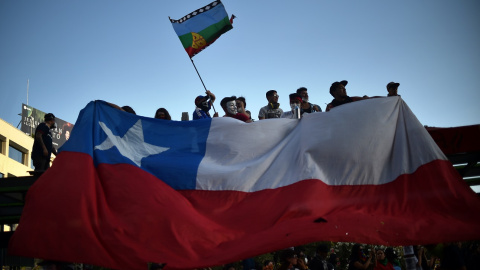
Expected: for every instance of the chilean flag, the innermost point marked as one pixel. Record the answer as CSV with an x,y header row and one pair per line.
x,y
127,190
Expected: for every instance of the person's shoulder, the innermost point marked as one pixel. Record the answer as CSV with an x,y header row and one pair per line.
x,y
329,107
262,111
286,114
314,263
358,98
197,114
242,117
42,127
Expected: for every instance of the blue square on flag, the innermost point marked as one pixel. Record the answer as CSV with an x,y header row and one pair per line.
x,y
170,150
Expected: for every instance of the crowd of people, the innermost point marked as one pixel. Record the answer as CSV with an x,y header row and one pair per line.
x,y
449,256
235,107
232,106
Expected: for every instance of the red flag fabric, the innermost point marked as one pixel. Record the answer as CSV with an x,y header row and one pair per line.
x,y
126,190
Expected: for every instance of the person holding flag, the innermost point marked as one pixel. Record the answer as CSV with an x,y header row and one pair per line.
x,y
204,104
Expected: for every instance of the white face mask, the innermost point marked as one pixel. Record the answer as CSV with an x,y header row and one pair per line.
x,y
293,105
232,107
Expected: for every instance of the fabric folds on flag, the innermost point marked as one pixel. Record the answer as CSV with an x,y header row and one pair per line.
x,y
126,190
202,27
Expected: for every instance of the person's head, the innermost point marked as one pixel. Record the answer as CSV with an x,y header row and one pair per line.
x,y
380,254
157,266
162,113
129,109
248,113
203,103
268,264
301,255
338,90
49,120
67,135
241,103
356,253
333,258
295,100
302,91
392,88
229,105
289,257
67,128
322,251
229,266
56,265
272,96
390,254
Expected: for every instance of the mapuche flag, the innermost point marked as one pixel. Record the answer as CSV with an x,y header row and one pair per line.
x,y
202,27
125,190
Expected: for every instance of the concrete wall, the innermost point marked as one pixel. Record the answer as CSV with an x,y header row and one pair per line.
x,y
11,136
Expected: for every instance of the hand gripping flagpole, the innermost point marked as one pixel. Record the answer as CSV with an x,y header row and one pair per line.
x,y
213,107
211,14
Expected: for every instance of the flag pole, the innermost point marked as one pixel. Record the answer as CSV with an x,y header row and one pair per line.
x,y
201,81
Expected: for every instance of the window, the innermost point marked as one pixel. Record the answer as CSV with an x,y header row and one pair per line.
x,y
2,144
15,154
1,175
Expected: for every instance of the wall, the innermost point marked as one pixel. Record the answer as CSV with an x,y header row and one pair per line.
x,y
10,135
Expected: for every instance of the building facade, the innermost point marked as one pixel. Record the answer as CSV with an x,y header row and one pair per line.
x,y
15,151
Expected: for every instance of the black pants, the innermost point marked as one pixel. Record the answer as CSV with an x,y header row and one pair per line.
x,y
41,163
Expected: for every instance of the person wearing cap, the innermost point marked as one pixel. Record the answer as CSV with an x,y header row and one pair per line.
x,y
42,144
340,97
272,110
392,88
319,262
295,103
307,106
203,105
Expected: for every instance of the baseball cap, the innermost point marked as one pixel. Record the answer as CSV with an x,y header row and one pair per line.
x,y
49,116
336,84
200,99
392,84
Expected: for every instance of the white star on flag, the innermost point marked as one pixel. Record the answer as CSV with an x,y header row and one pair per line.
x,y
131,145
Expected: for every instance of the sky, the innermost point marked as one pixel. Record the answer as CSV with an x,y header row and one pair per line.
x,y
127,53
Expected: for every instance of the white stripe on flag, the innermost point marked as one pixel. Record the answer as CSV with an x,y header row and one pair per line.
x,y
369,142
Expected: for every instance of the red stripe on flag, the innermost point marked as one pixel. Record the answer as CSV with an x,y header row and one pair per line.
x,y
119,216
